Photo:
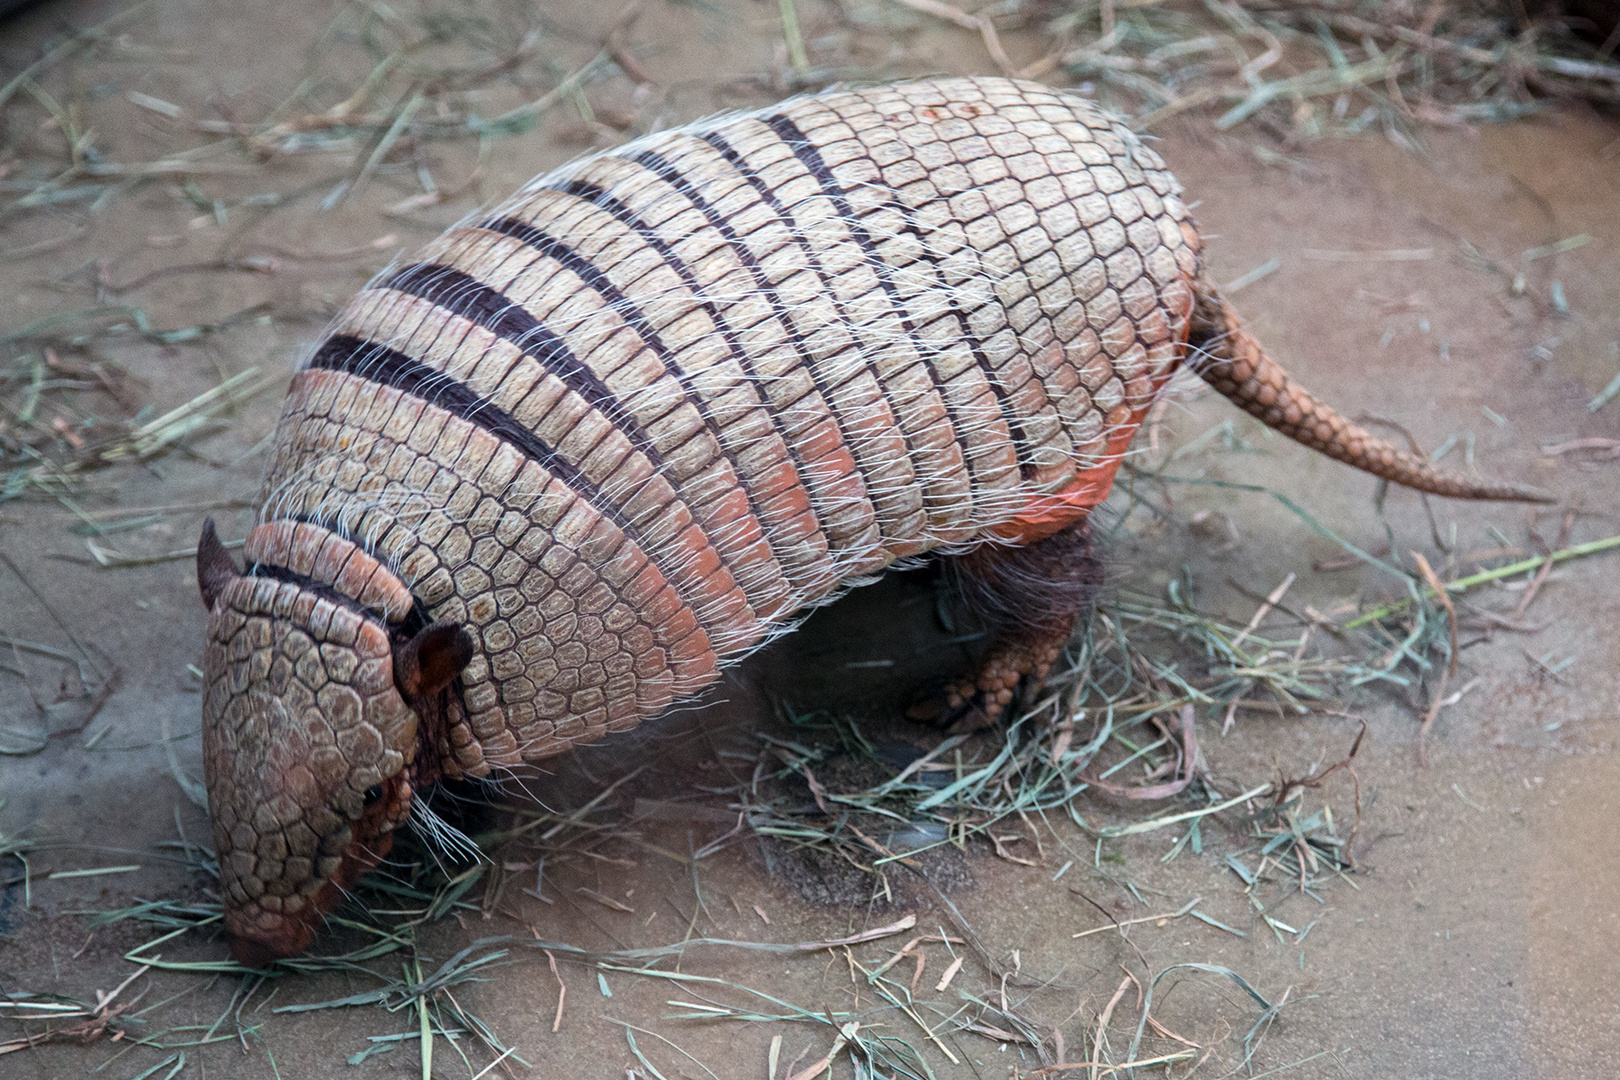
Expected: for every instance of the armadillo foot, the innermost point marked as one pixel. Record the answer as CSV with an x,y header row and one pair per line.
x,y
1014,668
1030,596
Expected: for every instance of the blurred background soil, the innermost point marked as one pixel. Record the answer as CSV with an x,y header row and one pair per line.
x,y
190,190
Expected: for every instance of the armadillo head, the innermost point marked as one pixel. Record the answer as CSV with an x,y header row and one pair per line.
x,y
311,719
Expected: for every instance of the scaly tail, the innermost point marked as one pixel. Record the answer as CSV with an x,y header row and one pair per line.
x,y
1228,357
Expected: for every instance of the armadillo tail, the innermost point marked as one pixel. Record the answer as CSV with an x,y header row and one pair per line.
x,y
1228,357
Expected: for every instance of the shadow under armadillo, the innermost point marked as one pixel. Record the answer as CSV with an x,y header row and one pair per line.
x,y
831,699
815,716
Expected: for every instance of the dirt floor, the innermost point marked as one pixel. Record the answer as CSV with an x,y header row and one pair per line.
x,y
1479,934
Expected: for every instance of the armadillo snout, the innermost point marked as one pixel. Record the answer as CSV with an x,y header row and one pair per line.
x,y
306,744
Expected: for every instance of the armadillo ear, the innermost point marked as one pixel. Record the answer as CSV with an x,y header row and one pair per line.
x,y
215,567
425,664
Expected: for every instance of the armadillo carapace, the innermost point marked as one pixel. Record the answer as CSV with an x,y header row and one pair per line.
x,y
543,480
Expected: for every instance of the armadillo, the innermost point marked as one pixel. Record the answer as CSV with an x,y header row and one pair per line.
x,y
543,481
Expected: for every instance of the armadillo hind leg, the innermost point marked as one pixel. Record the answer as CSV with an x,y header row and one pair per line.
x,y
1030,597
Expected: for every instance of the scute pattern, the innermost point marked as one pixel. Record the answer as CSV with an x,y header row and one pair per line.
x,y
300,692
545,480
628,422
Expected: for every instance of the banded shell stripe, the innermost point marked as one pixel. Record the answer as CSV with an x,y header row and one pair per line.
x,y
794,396
543,580
805,401
388,367
765,470
928,416
1016,430
739,308
534,411
457,291
895,355
707,486
927,419
1051,448
1048,442
319,589
933,246
758,154
850,380
539,402
692,557
949,326
329,559
857,151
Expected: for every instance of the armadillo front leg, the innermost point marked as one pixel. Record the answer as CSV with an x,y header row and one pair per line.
x,y
1030,597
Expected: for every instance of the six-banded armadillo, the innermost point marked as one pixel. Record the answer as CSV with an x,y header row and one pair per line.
x,y
543,481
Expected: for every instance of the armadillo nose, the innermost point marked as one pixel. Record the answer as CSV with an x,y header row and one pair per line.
x,y
270,937
253,953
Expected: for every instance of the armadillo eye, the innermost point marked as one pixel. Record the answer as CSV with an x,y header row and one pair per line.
x,y
373,793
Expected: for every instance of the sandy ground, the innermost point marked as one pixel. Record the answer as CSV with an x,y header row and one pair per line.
x,y
1481,933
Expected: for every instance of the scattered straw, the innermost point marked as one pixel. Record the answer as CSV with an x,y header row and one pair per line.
x,y
1134,679
1450,669
1186,909
562,991
1461,585
1307,70
980,24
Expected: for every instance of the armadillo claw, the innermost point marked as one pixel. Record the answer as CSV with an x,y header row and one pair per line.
x,y
1016,667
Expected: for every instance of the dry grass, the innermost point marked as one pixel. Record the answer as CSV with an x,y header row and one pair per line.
x,y
1323,70
378,83
1139,675
384,85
